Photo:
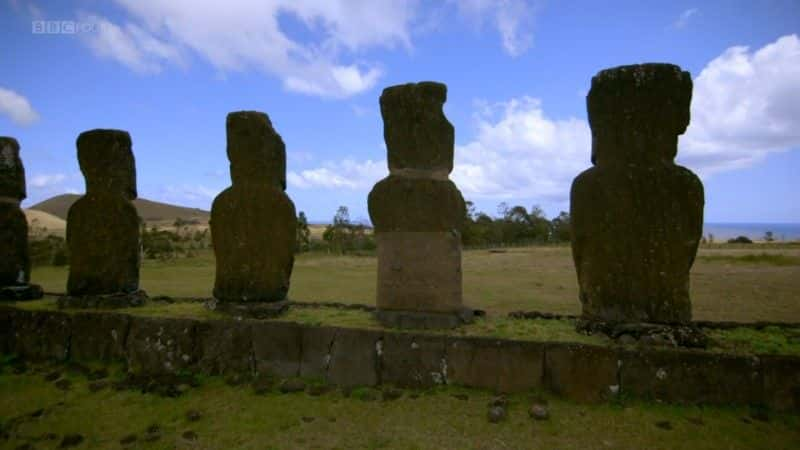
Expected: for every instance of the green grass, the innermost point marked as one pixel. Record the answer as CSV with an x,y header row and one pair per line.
x,y
532,278
771,259
769,340
234,417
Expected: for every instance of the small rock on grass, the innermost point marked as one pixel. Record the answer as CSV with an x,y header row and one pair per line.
x,y
316,390
127,440
759,414
497,414
71,440
262,385
63,384
539,411
189,435
696,421
292,385
390,394
99,385
307,419
79,369
52,376
236,379
664,424
98,374
193,415
626,339
500,400
462,397
153,433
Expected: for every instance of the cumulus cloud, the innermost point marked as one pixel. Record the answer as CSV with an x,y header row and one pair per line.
x,y
746,104
17,108
519,152
683,19
187,194
513,20
129,45
244,34
47,180
347,174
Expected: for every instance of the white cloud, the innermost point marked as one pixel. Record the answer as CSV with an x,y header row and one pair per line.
x,y
194,195
745,106
521,153
347,174
129,45
17,107
243,34
512,18
683,19
47,180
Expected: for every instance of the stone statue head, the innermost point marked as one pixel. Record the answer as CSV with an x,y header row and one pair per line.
x,y
636,112
107,163
418,135
255,150
12,173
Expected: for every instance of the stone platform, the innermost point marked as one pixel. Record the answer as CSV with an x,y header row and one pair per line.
x,y
368,357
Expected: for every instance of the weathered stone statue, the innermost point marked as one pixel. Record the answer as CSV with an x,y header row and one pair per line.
x,y
15,265
417,213
103,225
637,218
253,222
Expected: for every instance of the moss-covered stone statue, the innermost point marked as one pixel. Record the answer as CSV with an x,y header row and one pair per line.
x,y
417,213
637,217
15,264
103,225
253,222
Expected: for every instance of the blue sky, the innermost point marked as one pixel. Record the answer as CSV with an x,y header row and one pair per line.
x,y
517,75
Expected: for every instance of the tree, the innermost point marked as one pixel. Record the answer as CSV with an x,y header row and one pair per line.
x,y
740,240
343,236
337,233
768,236
303,238
561,227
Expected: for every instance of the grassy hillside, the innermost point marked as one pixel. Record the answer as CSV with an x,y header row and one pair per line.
x,y
42,223
148,210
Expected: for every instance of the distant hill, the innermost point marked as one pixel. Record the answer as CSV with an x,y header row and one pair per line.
x,y
42,223
148,210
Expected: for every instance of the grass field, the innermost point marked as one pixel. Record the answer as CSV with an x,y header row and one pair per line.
x,y
37,413
728,283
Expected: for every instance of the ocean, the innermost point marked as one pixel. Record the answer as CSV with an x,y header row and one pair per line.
x,y
755,231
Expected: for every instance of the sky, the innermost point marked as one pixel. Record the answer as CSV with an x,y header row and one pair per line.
x,y
517,73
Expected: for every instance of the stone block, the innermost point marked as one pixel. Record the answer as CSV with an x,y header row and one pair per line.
x,y
97,336
582,373
685,376
158,346
500,365
413,361
277,347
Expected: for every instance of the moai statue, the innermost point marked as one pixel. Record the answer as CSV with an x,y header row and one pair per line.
x,y
15,265
417,213
103,226
637,217
253,222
